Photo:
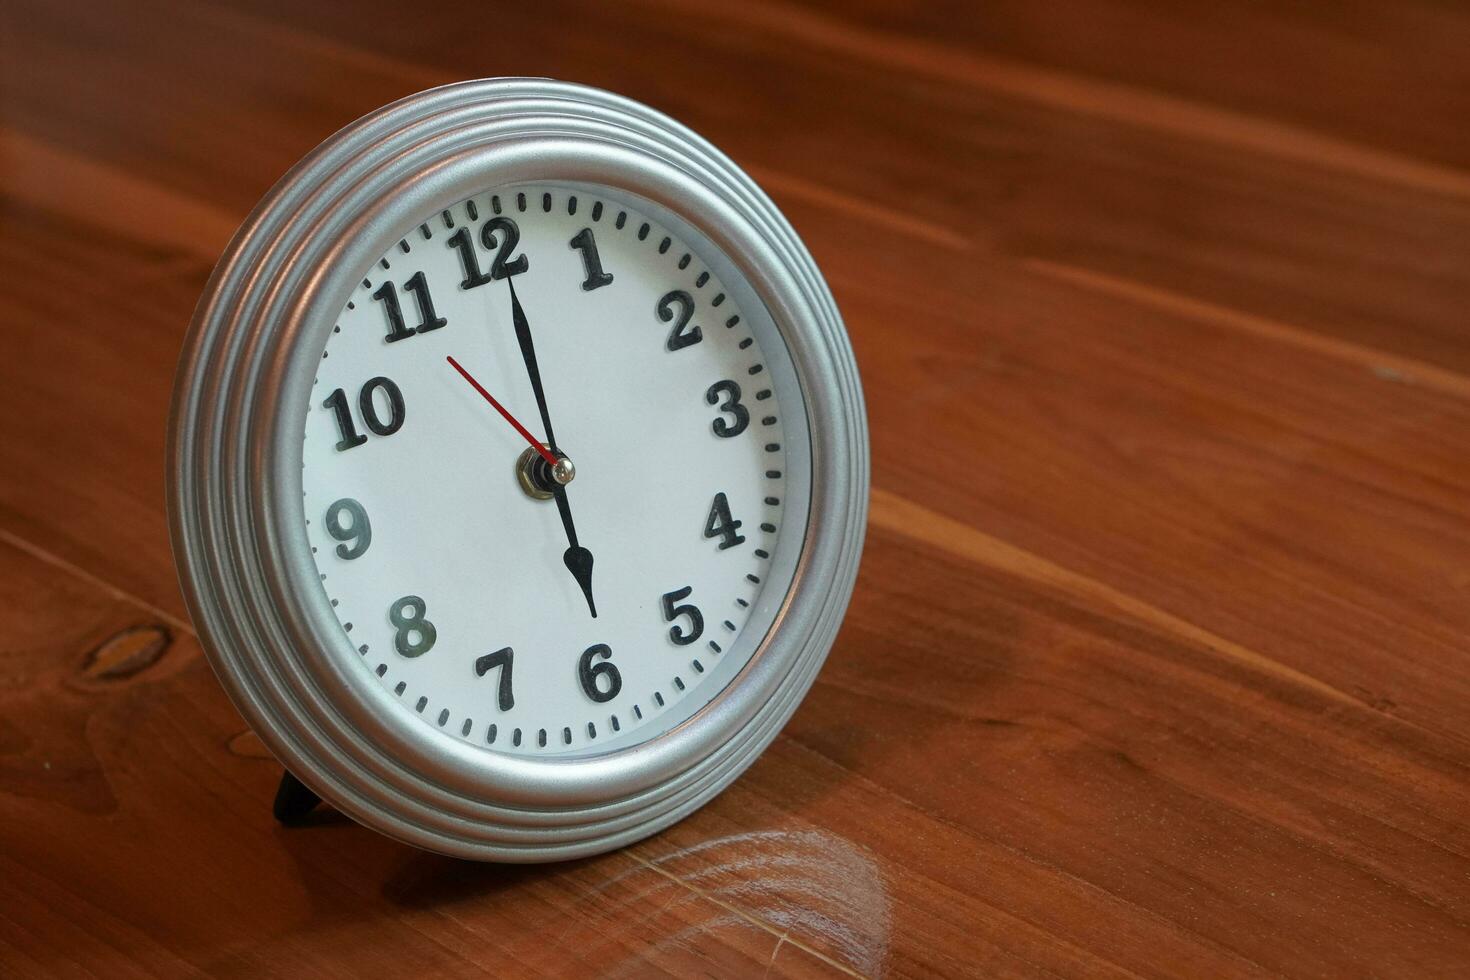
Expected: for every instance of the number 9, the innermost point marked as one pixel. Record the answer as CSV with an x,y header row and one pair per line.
x,y
358,532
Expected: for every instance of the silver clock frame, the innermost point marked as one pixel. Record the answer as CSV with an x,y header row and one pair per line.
x,y
234,478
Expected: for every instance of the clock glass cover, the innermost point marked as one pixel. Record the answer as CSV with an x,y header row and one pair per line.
x,y
547,610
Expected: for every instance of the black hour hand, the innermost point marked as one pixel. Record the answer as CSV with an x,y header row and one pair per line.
x,y
577,558
579,562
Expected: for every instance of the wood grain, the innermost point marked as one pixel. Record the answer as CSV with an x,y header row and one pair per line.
x,y
1168,674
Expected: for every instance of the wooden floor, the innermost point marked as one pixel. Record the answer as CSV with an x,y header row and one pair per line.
x,y
1166,672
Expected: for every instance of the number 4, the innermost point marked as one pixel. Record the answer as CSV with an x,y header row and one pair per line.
x,y
721,525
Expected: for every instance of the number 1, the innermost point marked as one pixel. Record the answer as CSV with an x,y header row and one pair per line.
x,y
587,245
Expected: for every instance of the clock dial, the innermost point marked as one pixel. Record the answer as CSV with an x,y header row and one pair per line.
x,y
546,466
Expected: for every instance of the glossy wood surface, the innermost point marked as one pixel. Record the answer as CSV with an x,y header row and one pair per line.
x,y
1159,661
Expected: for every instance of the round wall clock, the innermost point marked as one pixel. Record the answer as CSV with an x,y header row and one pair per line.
x,y
518,471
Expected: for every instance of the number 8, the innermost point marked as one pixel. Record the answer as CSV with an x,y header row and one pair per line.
x,y
407,626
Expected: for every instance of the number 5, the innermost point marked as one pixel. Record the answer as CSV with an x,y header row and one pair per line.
x,y
672,612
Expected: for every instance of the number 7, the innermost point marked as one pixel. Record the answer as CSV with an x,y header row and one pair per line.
x,y
500,658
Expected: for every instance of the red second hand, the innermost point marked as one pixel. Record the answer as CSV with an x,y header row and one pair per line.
x,y
545,453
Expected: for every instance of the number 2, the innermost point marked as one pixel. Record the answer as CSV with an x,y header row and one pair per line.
x,y
679,337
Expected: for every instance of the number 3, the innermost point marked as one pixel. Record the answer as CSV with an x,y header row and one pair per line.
x,y
723,429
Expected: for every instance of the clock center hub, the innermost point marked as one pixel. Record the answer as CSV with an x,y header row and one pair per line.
x,y
538,478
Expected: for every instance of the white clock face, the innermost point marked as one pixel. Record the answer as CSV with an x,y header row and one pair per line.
x,y
535,611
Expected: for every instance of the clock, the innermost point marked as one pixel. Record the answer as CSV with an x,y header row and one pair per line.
x,y
518,471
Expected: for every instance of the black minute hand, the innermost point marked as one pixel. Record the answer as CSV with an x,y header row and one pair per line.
x,y
577,558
